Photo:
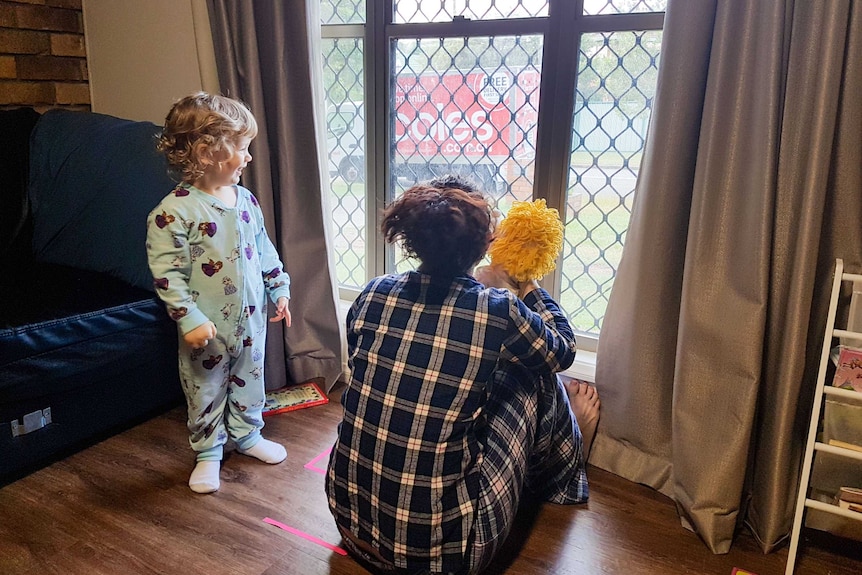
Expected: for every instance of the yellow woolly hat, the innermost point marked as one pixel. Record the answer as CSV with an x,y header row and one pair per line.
x,y
528,241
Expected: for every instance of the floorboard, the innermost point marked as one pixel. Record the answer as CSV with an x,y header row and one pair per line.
x,y
123,507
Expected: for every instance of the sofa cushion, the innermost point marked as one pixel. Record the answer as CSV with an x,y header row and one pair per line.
x,y
67,322
93,180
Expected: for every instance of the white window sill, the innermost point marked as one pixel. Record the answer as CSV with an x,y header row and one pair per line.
x,y
584,366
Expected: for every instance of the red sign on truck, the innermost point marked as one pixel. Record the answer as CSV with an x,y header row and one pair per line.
x,y
469,123
472,115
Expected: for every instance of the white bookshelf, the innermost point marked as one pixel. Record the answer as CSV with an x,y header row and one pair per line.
x,y
813,444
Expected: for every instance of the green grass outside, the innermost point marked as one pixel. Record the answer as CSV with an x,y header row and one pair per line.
x,y
592,255
608,159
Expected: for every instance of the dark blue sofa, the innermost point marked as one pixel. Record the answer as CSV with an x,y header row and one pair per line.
x,y
86,349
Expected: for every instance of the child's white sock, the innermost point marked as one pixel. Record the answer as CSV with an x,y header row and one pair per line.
x,y
204,478
267,451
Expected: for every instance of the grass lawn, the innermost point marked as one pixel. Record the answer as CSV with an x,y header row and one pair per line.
x,y
592,252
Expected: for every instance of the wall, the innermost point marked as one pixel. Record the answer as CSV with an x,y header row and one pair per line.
x,y
145,55
42,55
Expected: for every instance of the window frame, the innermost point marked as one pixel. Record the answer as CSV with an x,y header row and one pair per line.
x,y
562,30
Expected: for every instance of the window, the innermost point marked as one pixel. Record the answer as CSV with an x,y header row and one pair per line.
x,y
529,98
616,83
343,48
467,106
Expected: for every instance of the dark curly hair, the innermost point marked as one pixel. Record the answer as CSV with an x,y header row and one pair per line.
x,y
456,181
447,228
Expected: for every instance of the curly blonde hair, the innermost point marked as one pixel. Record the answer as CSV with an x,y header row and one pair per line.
x,y
528,241
200,126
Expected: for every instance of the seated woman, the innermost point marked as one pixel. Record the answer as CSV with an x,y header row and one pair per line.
x,y
453,405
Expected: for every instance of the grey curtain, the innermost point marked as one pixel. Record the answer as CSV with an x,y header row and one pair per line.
x,y
262,54
750,187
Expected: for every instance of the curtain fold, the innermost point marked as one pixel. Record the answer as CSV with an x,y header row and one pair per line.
x,y
710,345
263,53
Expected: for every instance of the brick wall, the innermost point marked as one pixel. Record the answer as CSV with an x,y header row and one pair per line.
x,y
42,55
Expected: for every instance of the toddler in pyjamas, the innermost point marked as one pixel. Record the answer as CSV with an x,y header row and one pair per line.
x,y
213,266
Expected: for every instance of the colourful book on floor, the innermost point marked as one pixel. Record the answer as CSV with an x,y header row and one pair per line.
x,y
293,397
848,373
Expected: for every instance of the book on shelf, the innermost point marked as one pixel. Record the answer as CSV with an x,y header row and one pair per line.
x,y
849,498
845,445
848,372
857,507
850,494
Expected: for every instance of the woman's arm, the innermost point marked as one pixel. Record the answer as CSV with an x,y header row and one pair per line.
x,y
541,338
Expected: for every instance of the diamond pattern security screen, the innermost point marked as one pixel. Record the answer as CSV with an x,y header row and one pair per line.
x,y
615,90
342,11
462,97
345,127
446,10
623,6
466,106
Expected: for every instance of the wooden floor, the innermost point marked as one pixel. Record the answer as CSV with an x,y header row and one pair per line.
x,y
122,507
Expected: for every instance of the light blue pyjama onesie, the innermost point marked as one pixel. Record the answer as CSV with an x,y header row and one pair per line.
x,y
215,263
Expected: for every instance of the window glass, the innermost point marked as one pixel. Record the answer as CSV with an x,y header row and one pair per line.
x,y
414,11
467,102
345,142
623,6
342,11
467,106
615,90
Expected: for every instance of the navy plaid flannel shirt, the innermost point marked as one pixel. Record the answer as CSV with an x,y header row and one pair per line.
x,y
402,475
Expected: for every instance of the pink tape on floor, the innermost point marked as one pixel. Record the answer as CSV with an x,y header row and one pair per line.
x,y
304,535
310,465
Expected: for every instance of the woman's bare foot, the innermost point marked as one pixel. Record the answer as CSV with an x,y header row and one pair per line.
x,y
586,406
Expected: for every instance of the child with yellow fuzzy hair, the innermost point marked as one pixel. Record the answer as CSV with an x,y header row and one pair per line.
x,y
525,247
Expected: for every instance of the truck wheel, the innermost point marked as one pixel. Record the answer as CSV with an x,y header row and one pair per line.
x,y
351,169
